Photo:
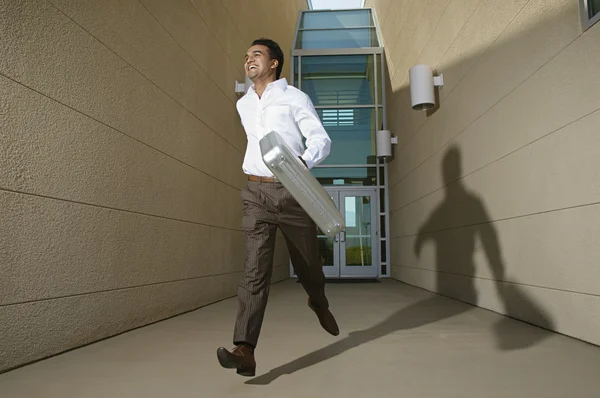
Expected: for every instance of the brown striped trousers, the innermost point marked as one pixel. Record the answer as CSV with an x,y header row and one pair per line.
x,y
267,206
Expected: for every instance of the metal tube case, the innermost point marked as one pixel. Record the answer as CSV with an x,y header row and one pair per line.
x,y
302,185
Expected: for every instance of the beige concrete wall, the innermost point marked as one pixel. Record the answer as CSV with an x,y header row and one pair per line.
x,y
499,185
120,171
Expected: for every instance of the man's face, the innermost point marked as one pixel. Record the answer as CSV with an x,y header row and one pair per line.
x,y
258,63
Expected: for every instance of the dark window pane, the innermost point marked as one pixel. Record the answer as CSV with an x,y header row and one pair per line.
x,y
352,133
594,7
296,82
336,19
346,38
339,79
359,176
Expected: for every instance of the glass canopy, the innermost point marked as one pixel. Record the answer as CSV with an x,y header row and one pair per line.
x,y
339,64
337,29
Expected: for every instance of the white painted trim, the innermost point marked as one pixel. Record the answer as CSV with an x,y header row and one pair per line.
x,y
344,28
335,9
340,51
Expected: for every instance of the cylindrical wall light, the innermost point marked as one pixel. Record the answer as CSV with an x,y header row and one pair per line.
x,y
384,143
242,88
422,84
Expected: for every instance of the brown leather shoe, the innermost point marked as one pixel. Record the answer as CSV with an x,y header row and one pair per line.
x,y
326,319
240,358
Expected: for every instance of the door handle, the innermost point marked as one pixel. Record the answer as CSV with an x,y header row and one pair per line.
x,y
344,238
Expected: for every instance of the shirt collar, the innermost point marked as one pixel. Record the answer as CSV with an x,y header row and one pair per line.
x,y
281,84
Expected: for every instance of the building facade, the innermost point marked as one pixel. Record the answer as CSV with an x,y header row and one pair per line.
x,y
338,63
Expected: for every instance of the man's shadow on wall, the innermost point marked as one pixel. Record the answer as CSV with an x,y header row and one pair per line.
x,y
454,227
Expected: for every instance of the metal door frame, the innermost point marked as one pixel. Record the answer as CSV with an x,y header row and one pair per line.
x,y
356,271
336,192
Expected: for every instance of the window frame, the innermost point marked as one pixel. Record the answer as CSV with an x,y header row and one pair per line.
x,y
584,12
298,50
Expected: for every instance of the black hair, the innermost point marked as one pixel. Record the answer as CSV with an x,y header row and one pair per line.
x,y
274,52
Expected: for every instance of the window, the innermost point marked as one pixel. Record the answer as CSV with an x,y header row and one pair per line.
x,y
346,80
337,117
590,12
352,131
337,29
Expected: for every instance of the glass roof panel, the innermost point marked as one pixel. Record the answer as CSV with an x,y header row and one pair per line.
x,y
346,38
337,29
336,19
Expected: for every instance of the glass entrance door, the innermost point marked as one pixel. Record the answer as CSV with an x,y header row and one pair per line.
x,y
358,243
353,252
329,247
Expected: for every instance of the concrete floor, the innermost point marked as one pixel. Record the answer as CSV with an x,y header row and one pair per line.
x,y
395,341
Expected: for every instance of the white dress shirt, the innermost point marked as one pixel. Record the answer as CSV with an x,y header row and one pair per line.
x,y
291,114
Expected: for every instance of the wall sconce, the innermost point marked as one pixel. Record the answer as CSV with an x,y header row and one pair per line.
x,y
422,83
242,88
384,143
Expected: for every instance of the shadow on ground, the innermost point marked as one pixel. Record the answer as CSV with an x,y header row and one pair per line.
x,y
455,248
415,315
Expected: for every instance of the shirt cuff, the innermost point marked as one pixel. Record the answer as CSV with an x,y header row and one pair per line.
x,y
309,163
